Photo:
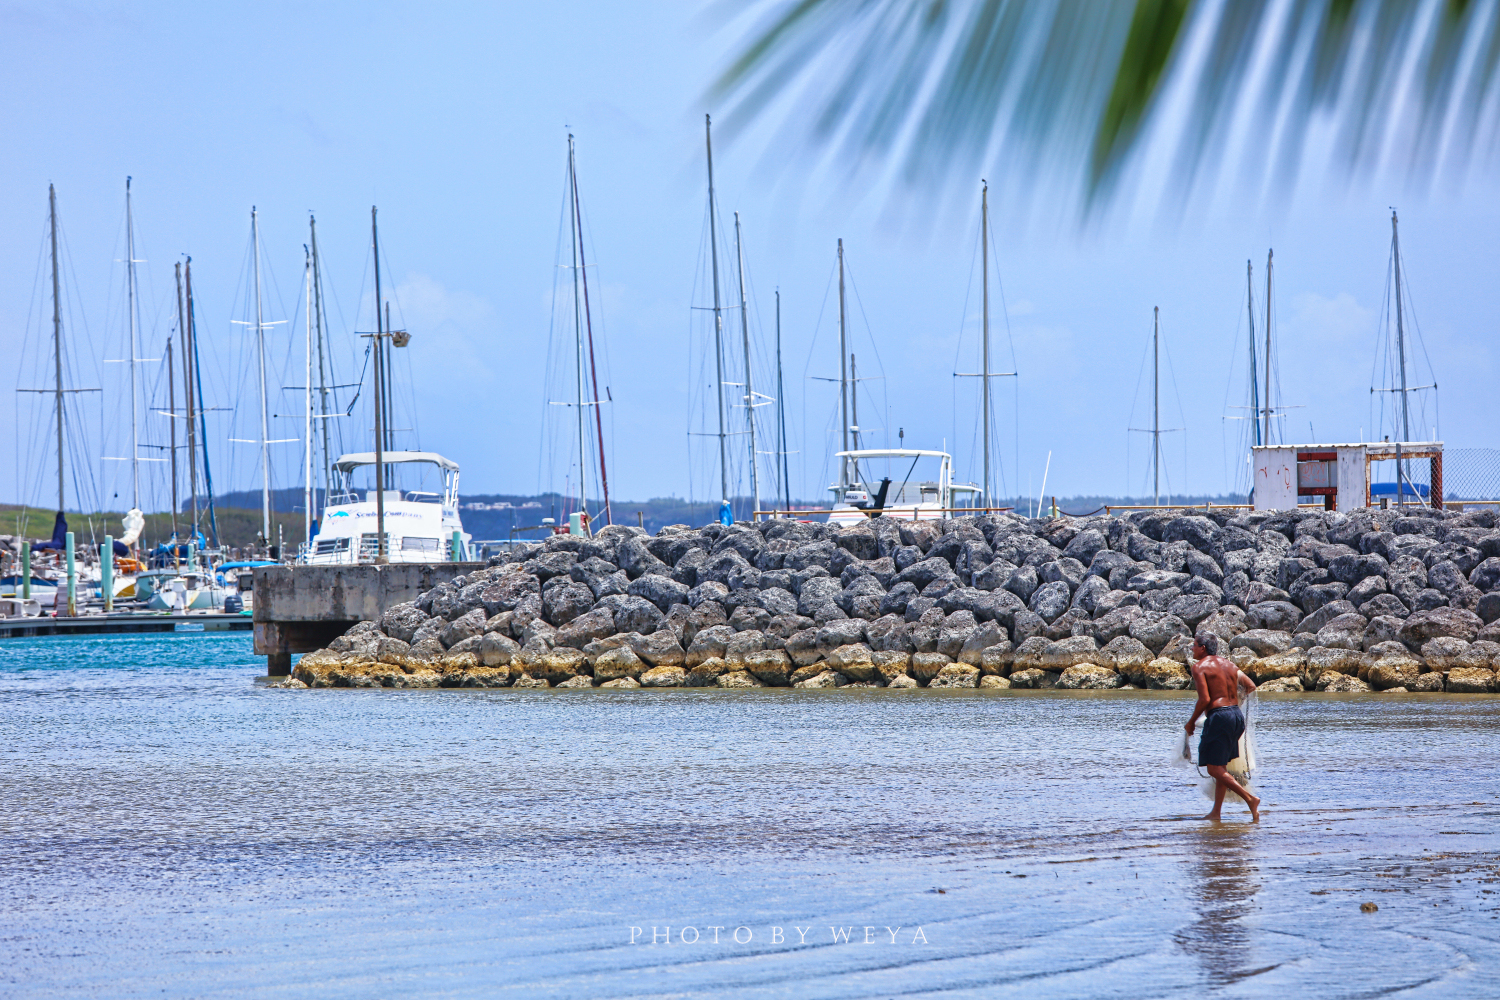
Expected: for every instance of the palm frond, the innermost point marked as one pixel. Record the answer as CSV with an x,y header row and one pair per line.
x,y
1076,88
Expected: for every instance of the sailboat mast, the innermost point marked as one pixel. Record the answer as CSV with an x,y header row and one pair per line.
x,y
588,327
172,440
380,553
583,493
1156,401
786,485
265,411
1254,362
1401,351
739,255
56,339
843,372
1266,430
327,463
713,247
186,388
984,238
135,461
190,384
307,444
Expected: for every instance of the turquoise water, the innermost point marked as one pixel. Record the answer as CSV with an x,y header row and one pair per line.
x,y
169,829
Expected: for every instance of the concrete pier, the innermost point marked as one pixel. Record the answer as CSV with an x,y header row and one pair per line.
x,y
302,608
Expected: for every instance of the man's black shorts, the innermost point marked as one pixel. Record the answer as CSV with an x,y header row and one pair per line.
x,y
1222,729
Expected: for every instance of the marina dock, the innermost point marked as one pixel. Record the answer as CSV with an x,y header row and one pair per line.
x,y
123,622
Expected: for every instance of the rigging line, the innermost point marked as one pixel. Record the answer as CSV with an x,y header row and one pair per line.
x,y
869,333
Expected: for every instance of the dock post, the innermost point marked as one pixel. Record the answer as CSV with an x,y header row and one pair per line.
x,y
107,572
455,550
25,571
72,579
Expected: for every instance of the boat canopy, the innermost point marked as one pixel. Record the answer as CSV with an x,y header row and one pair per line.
x,y
348,463
890,453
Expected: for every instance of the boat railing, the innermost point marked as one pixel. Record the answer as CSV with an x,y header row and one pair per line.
x,y
902,510
339,499
421,497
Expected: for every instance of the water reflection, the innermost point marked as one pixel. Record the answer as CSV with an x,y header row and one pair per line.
x,y
1223,885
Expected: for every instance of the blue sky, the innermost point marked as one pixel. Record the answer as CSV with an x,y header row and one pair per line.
x,y
454,119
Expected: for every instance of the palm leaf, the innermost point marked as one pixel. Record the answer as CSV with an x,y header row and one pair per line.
x,y
1075,88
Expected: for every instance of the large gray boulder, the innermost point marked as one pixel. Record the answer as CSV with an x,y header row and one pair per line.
x,y
662,591
1192,608
1424,625
567,601
1486,575
925,572
401,621
1199,532
1155,629
635,614
1085,546
1023,582
1050,600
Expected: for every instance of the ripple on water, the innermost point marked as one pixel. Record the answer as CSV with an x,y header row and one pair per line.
x,y
170,829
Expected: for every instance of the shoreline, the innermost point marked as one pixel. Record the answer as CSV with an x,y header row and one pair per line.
x,y
1302,601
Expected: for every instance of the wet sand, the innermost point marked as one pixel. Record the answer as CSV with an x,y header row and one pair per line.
x,y
172,830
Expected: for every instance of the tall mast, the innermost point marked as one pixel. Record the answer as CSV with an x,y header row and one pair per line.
x,y
389,397
1156,401
135,461
187,390
323,418
380,553
786,485
1254,385
194,395
583,493
984,238
713,246
1266,431
1401,351
265,411
56,340
588,326
172,441
843,373
739,255
307,443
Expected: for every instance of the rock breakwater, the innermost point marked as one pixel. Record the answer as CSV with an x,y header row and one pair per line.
x,y
1392,600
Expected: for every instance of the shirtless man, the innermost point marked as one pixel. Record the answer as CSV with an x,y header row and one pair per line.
x,y
1218,681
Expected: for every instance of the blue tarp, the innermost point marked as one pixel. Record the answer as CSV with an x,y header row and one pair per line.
x,y
1407,489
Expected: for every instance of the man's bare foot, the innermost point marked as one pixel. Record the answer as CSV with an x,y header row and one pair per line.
x,y
1254,804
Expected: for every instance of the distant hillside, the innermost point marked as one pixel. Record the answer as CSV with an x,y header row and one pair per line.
x,y
237,526
486,516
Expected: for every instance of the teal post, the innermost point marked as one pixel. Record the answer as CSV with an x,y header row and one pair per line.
x,y
72,579
575,523
457,548
26,571
192,557
107,572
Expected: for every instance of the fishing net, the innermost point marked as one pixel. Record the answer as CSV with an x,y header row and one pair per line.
x,y
1244,768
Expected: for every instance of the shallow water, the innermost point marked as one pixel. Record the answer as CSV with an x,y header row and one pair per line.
x,y
169,829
